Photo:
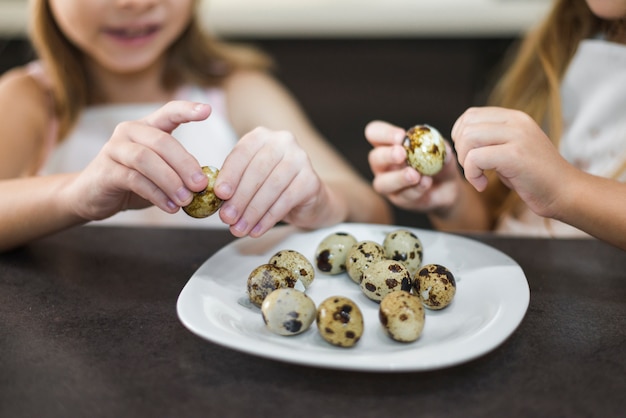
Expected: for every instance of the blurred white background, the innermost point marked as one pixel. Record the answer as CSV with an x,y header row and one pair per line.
x,y
346,18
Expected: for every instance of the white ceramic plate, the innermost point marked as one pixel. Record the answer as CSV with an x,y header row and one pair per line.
x,y
491,300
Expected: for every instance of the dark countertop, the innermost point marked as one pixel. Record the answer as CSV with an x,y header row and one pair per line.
x,y
89,328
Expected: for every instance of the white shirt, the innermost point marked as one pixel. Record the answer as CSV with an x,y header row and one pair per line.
x,y
593,99
210,141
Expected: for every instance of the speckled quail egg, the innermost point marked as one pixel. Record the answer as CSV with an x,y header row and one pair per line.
x,y
288,311
331,253
435,285
205,203
384,277
340,321
425,149
404,246
297,263
266,278
402,316
361,256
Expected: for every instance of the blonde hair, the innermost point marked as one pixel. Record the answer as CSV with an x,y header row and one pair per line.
x,y
531,83
195,57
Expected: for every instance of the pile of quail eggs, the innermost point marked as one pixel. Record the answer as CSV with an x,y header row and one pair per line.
x,y
390,274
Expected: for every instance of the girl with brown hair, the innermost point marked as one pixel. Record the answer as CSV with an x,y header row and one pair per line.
x,y
548,156
99,127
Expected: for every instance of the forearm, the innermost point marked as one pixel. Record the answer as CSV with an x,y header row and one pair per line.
x,y
468,213
595,205
33,207
363,203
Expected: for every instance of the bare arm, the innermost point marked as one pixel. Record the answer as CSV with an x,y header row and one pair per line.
x,y
141,165
510,143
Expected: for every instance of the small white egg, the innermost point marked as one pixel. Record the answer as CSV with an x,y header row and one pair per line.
x,y
288,311
331,253
340,321
425,149
402,316
361,256
435,285
266,278
404,246
297,263
384,277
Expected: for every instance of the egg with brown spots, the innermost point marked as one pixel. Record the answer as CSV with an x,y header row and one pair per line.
x,y
332,251
297,263
425,149
404,246
435,285
266,278
384,277
361,256
402,316
205,203
288,311
340,321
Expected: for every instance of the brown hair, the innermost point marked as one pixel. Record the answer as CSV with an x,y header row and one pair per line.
x,y
531,83
195,57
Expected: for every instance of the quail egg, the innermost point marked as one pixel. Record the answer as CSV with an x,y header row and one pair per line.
x,y
402,316
205,203
404,246
425,149
266,278
435,285
340,321
332,251
361,256
384,277
288,311
297,263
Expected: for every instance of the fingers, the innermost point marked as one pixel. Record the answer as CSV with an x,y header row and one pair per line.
x,y
380,133
174,113
262,181
158,165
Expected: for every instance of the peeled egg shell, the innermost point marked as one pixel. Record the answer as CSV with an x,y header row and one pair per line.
x,y
340,321
404,246
425,149
297,263
361,256
384,277
266,278
288,311
332,251
402,316
205,203
435,285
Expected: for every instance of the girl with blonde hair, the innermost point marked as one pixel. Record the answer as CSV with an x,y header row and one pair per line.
x,y
548,156
126,102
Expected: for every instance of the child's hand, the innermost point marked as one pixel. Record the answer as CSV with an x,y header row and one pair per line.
x,y
267,178
513,145
404,186
142,164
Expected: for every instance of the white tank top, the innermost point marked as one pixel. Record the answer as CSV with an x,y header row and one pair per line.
x,y
209,141
593,97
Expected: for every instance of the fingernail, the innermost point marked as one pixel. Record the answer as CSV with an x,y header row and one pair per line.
x,y
240,226
198,177
229,212
224,190
183,194
171,205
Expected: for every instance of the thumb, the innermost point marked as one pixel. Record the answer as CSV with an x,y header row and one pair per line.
x,y
172,114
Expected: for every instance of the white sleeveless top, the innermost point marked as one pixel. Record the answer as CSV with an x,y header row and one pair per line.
x,y
210,141
593,96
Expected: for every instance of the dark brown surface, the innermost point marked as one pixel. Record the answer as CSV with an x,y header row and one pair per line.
x,y
89,328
